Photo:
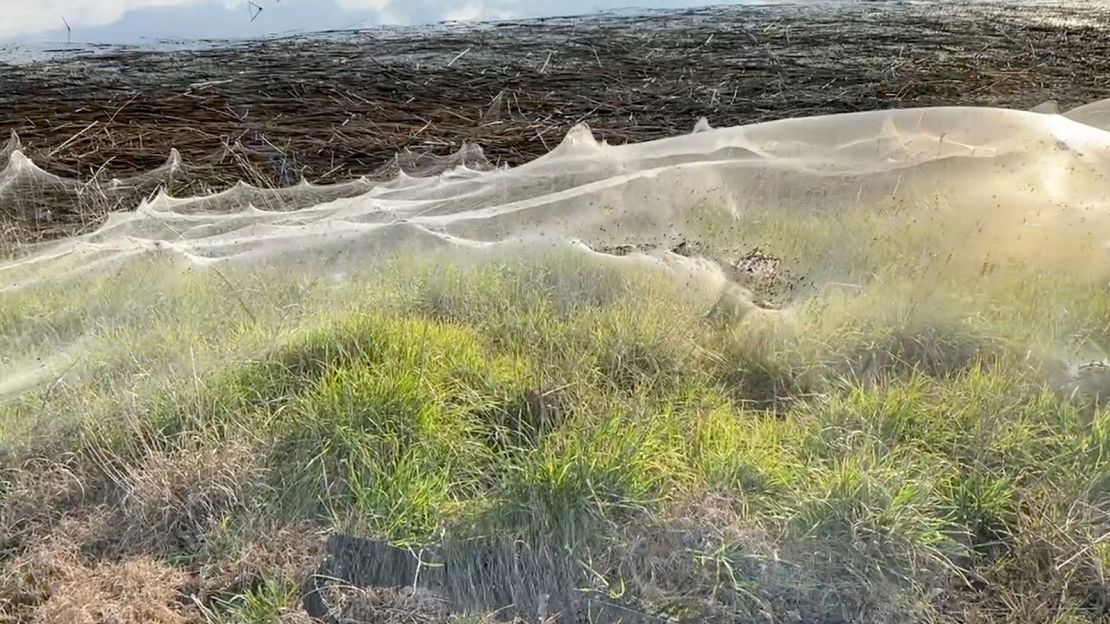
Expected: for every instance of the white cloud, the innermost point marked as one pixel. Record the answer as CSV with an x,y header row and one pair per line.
x,y
25,17
420,11
377,5
467,12
29,16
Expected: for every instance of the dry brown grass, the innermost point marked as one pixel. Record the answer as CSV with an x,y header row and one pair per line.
x,y
171,501
1054,569
355,605
384,606
30,579
676,564
235,563
38,495
85,541
134,591
55,582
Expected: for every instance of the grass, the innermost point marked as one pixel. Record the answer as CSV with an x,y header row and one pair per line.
x,y
901,449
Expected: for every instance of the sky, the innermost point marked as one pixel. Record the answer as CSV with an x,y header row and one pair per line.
x,y
135,21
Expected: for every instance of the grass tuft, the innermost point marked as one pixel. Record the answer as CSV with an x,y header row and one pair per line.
x,y
575,437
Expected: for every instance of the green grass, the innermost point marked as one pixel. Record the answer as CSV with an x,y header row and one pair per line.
x,y
891,450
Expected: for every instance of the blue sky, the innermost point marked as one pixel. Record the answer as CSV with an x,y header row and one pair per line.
x,y
128,21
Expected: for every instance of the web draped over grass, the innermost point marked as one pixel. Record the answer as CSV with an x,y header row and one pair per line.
x,y
856,410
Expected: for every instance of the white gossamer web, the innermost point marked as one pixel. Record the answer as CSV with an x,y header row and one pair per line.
x,y
1031,186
